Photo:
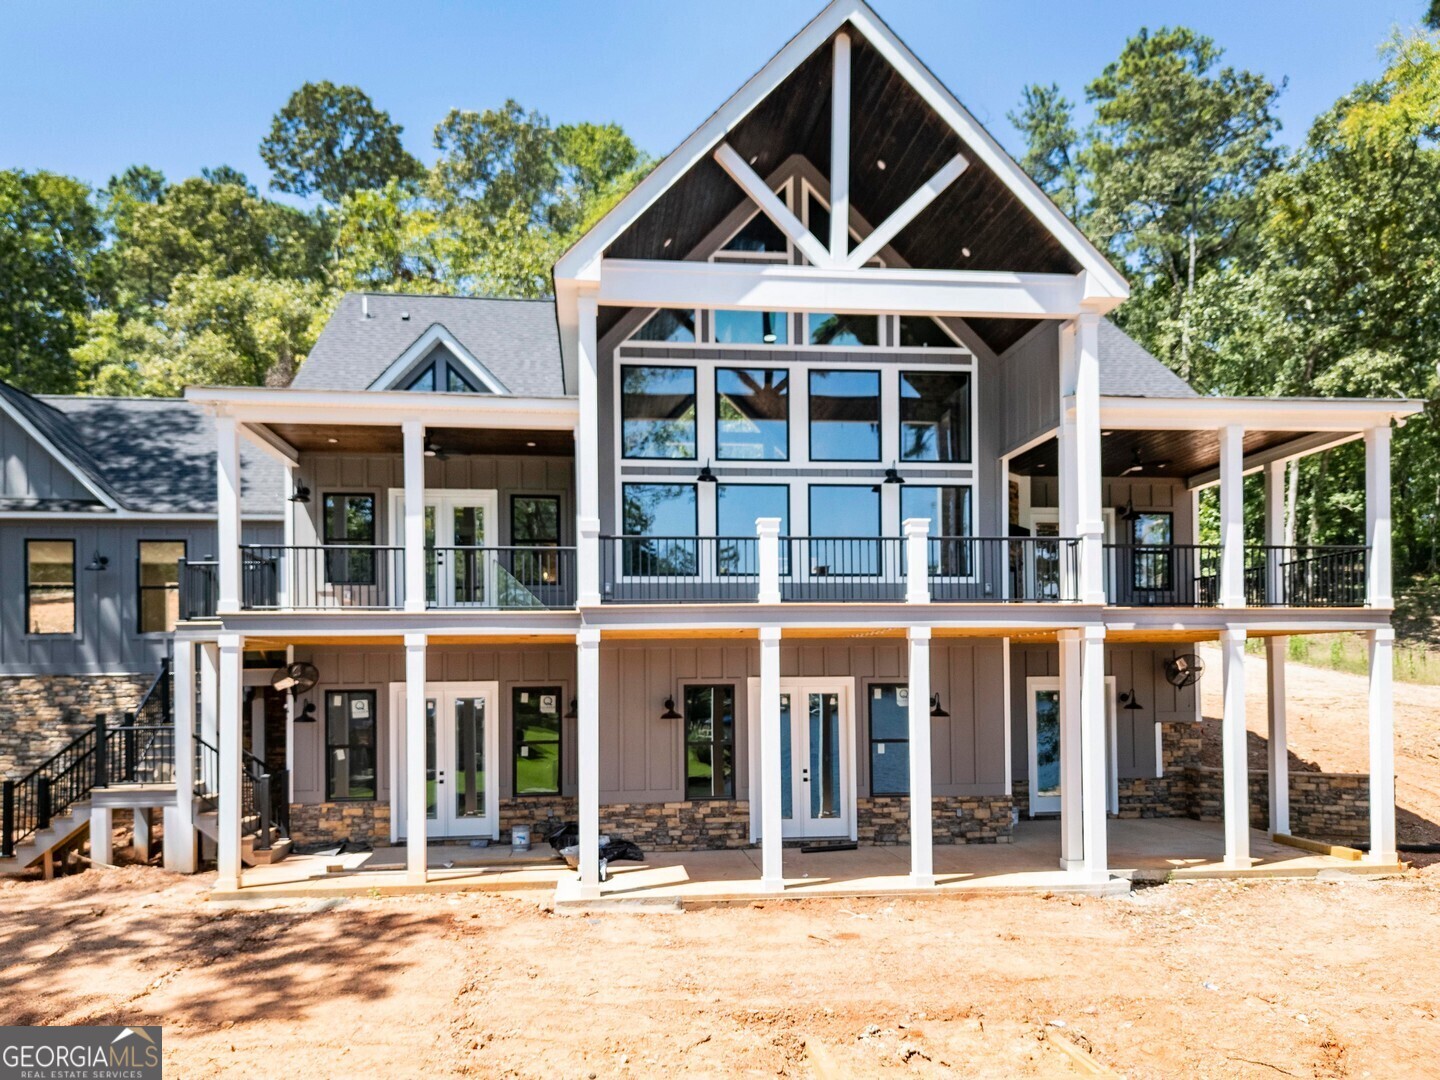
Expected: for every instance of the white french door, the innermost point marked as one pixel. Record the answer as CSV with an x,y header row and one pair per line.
x,y
1042,715
817,757
462,747
459,528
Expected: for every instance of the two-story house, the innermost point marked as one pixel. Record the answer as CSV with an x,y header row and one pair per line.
x,y
823,502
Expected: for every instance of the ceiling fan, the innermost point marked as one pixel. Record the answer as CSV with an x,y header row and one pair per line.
x,y
1138,464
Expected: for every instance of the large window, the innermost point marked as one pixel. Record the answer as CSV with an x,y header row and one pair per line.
x,y
350,762
159,584
535,523
844,329
664,515
535,713
349,521
667,324
839,514
752,414
889,739
657,407
935,416
948,509
1152,567
752,328
710,742
844,416
50,586
736,508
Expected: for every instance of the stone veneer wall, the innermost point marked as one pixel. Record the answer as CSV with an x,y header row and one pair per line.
x,y
957,819
357,822
696,825
40,714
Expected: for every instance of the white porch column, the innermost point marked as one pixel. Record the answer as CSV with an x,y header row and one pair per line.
x,y
772,853
1378,589
1382,746
767,559
917,561
1088,496
179,840
1232,516
1274,531
1093,752
210,693
413,437
1234,752
288,563
227,843
140,832
1276,739
587,678
1072,836
1069,514
922,844
102,836
415,782
587,457
227,513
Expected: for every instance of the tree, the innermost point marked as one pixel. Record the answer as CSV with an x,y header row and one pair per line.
x,y
1432,17
495,162
49,238
1046,120
332,141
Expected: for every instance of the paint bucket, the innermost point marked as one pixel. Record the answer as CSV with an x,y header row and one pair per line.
x,y
520,838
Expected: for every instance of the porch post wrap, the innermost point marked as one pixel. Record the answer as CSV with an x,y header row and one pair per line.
x,y
179,820
1232,516
1274,531
227,844
413,436
587,459
922,842
1091,519
1093,753
287,564
767,532
227,513
1277,749
415,780
772,869
1233,749
1072,839
1378,588
1382,746
587,672
917,561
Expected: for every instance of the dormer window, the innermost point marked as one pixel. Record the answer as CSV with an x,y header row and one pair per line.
x,y
441,371
436,362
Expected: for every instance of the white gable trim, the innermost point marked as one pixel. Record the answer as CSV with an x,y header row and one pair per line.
x,y
437,335
63,458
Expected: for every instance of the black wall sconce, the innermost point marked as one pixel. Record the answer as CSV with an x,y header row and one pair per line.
x,y
574,711
670,713
706,476
1128,702
935,709
302,494
892,476
307,714
98,562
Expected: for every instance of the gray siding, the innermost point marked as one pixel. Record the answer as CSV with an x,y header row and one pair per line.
x,y
29,471
1167,496
1029,404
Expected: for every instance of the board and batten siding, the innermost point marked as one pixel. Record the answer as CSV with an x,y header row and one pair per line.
x,y
1029,399
32,472
1144,493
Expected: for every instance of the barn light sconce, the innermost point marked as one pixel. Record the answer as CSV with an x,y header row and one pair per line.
x,y
302,494
573,713
706,476
892,476
670,713
307,714
1128,702
1127,512
935,709
98,562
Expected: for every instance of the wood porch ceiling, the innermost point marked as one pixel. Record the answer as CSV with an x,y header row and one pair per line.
x,y
381,439
897,142
1172,455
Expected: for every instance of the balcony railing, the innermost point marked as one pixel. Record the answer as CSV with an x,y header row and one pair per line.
x,y
676,569
1188,575
1013,569
348,576
500,577
1316,575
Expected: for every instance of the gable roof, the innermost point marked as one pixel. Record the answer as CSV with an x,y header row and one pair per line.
x,y
515,340
1127,369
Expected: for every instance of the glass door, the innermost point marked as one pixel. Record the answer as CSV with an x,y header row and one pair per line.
x,y
1043,718
460,533
816,786
461,745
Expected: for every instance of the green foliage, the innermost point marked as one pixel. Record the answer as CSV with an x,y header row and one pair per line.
x,y
332,141
1046,119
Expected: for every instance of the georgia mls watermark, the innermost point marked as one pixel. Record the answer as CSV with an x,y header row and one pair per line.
x,y
79,1053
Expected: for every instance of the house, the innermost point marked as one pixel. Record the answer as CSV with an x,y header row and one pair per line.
x,y
824,501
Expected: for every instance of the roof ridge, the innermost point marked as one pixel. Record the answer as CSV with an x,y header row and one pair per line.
x,y
453,296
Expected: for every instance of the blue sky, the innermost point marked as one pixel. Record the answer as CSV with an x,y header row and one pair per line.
x,y
88,87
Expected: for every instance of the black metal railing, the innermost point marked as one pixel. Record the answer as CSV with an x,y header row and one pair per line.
x,y
1313,575
199,588
825,569
361,576
207,774
264,792
1162,575
678,569
141,749
500,577
1007,569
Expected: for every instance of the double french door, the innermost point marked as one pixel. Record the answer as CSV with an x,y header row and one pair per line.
x,y
817,760
461,757
461,530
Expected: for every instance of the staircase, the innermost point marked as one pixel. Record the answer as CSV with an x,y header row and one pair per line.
x,y
264,805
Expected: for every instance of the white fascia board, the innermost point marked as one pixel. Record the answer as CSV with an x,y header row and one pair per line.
x,y
777,287
120,515
1261,414
437,334
64,459
271,444
385,407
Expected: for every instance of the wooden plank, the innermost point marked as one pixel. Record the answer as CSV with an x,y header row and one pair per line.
x,y
1335,851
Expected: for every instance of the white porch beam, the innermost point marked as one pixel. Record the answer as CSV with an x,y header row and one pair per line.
x,y
1232,517
1349,415
869,290
773,207
1234,752
1277,740
415,779
922,842
1072,834
587,459
587,678
907,211
262,438
840,151
227,513
1379,590
179,820
1094,758
227,843
1382,746
1278,455
772,851
413,440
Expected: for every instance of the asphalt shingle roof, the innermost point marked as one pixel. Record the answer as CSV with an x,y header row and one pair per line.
x,y
1128,370
517,341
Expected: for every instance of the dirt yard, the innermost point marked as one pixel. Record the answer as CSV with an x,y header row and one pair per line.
x,y
1318,979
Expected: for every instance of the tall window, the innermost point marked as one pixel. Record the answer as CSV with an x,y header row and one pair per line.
x,y
710,742
661,517
844,329
736,508
845,416
889,739
948,509
657,408
535,523
839,513
752,328
1152,533
668,324
159,584
935,416
350,762
50,586
752,414
349,522
535,713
